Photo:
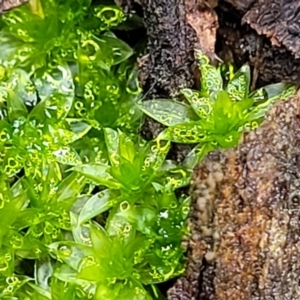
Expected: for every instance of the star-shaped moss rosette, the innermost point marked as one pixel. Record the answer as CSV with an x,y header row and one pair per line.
x,y
35,35
40,32
21,287
136,250
13,244
134,166
137,194
33,139
33,215
107,97
217,114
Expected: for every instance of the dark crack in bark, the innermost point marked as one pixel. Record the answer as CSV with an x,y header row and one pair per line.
x,y
245,216
278,20
242,44
167,64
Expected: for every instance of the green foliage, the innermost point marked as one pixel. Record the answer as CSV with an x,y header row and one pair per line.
x,y
89,210
217,114
84,201
52,34
32,140
134,165
58,31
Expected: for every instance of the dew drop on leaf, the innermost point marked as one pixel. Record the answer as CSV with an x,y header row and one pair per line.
x,y
144,177
37,230
49,228
3,264
65,251
185,210
124,205
9,289
87,262
12,280
8,257
2,201
16,241
164,214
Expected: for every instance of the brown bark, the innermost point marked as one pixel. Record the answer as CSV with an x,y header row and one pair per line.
x,y
167,63
245,216
263,33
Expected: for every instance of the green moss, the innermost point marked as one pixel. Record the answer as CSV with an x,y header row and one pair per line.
x,y
217,114
71,154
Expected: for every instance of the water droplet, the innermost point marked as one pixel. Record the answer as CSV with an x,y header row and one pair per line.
x,y
124,205
54,234
9,289
16,241
8,256
3,264
144,177
49,228
65,251
37,251
173,204
13,280
185,209
164,214
87,262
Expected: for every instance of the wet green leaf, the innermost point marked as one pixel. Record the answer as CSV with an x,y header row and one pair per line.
x,y
155,155
105,51
98,174
201,104
128,291
96,205
16,107
269,94
70,187
238,86
168,112
196,155
70,252
273,91
9,213
56,89
211,80
67,156
43,271
189,132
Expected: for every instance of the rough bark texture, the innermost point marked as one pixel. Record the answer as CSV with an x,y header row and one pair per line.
x,y
278,20
9,4
204,20
168,63
245,216
263,33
